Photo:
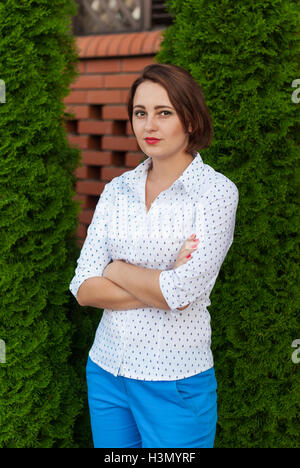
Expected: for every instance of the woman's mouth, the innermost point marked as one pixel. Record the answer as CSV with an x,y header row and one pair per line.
x,y
152,141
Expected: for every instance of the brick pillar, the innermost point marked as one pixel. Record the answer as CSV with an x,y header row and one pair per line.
x,y
101,129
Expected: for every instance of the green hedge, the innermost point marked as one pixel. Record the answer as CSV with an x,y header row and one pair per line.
x,y
40,391
245,55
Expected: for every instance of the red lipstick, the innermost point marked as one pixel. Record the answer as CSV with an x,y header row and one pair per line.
x,y
152,141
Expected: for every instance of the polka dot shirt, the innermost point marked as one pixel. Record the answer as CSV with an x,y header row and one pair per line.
x,y
150,343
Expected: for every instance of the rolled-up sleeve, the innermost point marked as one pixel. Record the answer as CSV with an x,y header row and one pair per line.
x,y
95,254
215,225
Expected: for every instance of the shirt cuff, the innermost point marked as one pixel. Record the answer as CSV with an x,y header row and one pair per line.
x,y
78,280
166,283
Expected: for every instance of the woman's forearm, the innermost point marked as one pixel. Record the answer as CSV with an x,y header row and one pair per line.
x,y
140,281
137,280
103,293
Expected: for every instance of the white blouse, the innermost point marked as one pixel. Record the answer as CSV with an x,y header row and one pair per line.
x,y
150,343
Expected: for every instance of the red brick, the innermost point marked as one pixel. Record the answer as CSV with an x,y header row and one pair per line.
x,y
81,172
84,112
104,44
96,127
81,43
148,47
84,201
133,39
81,233
115,43
88,82
87,172
114,112
128,129
86,216
84,141
136,46
89,187
119,143
77,140
134,159
124,96
91,49
111,65
124,48
80,112
80,66
108,173
76,97
103,97
119,81
97,158
129,64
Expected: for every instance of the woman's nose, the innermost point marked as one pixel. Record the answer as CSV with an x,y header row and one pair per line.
x,y
150,124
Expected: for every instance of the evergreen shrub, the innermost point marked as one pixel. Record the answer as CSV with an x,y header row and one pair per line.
x,y
40,389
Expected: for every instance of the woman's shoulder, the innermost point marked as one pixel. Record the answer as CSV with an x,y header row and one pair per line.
x,y
218,184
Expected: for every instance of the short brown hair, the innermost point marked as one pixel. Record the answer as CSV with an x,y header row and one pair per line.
x,y
187,98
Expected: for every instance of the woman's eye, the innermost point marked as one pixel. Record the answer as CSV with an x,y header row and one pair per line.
x,y
141,112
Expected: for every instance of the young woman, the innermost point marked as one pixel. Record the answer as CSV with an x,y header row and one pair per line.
x,y
152,254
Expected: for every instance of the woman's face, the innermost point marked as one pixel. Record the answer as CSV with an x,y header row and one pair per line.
x,y
163,123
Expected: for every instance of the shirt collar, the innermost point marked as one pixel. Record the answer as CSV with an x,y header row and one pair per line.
x,y
186,179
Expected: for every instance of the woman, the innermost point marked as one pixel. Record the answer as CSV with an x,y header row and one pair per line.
x,y
152,254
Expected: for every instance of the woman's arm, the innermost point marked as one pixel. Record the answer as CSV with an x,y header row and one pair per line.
x,y
142,282
103,293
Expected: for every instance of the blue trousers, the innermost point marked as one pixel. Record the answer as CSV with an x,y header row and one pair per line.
x,y
135,413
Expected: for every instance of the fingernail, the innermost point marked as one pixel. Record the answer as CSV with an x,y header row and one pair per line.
x,y
188,256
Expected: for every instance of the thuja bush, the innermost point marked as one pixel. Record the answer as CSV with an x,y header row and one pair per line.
x,y
40,392
246,54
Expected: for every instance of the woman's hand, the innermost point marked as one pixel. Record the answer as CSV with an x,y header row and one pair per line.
x,y
184,255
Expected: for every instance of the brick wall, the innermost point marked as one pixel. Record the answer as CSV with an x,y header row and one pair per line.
x,y
108,66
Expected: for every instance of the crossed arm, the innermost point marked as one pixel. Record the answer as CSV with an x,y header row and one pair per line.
x,y
123,286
